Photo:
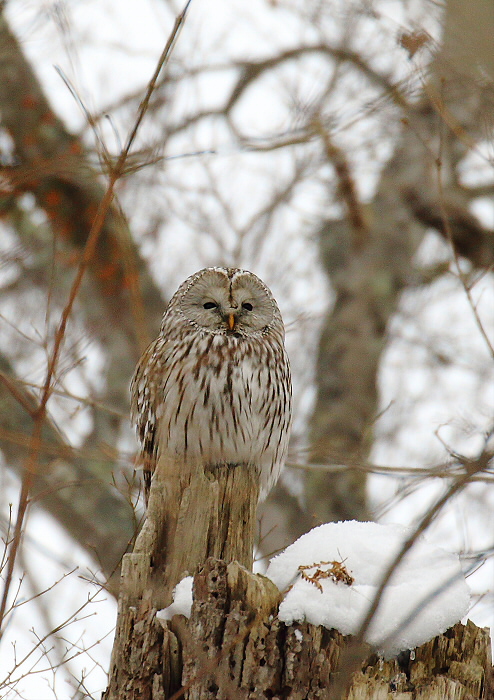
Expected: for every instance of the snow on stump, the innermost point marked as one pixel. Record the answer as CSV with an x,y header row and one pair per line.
x,y
331,575
247,638
235,647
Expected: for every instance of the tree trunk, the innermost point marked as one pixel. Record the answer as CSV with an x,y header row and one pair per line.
x,y
370,265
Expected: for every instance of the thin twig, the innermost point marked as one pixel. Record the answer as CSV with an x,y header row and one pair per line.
x,y
466,287
347,188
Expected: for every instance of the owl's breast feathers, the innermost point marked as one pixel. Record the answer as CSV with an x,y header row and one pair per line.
x,y
213,399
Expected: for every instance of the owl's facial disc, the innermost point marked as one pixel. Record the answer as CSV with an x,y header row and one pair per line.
x,y
221,305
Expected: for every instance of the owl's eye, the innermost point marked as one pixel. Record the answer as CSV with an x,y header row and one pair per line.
x,y
247,306
210,305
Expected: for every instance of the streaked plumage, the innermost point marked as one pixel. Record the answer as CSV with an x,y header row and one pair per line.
x,y
214,387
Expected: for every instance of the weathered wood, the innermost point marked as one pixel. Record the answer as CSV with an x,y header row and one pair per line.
x,y
236,648
228,625
192,514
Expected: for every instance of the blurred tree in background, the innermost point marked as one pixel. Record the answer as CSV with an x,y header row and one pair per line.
x,y
343,151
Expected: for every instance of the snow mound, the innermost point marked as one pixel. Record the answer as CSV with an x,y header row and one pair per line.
x,y
331,575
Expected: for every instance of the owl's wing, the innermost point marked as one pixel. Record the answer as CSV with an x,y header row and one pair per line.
x,y
144,392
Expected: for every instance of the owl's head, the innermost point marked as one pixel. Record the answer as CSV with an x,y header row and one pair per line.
x,y
227,301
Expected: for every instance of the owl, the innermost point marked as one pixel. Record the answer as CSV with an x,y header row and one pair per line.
x,y
214,388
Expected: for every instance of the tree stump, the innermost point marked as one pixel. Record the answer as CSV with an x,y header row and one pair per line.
x,y
234,647
192,514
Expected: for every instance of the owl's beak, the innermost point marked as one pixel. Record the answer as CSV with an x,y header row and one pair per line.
x,y
231,322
